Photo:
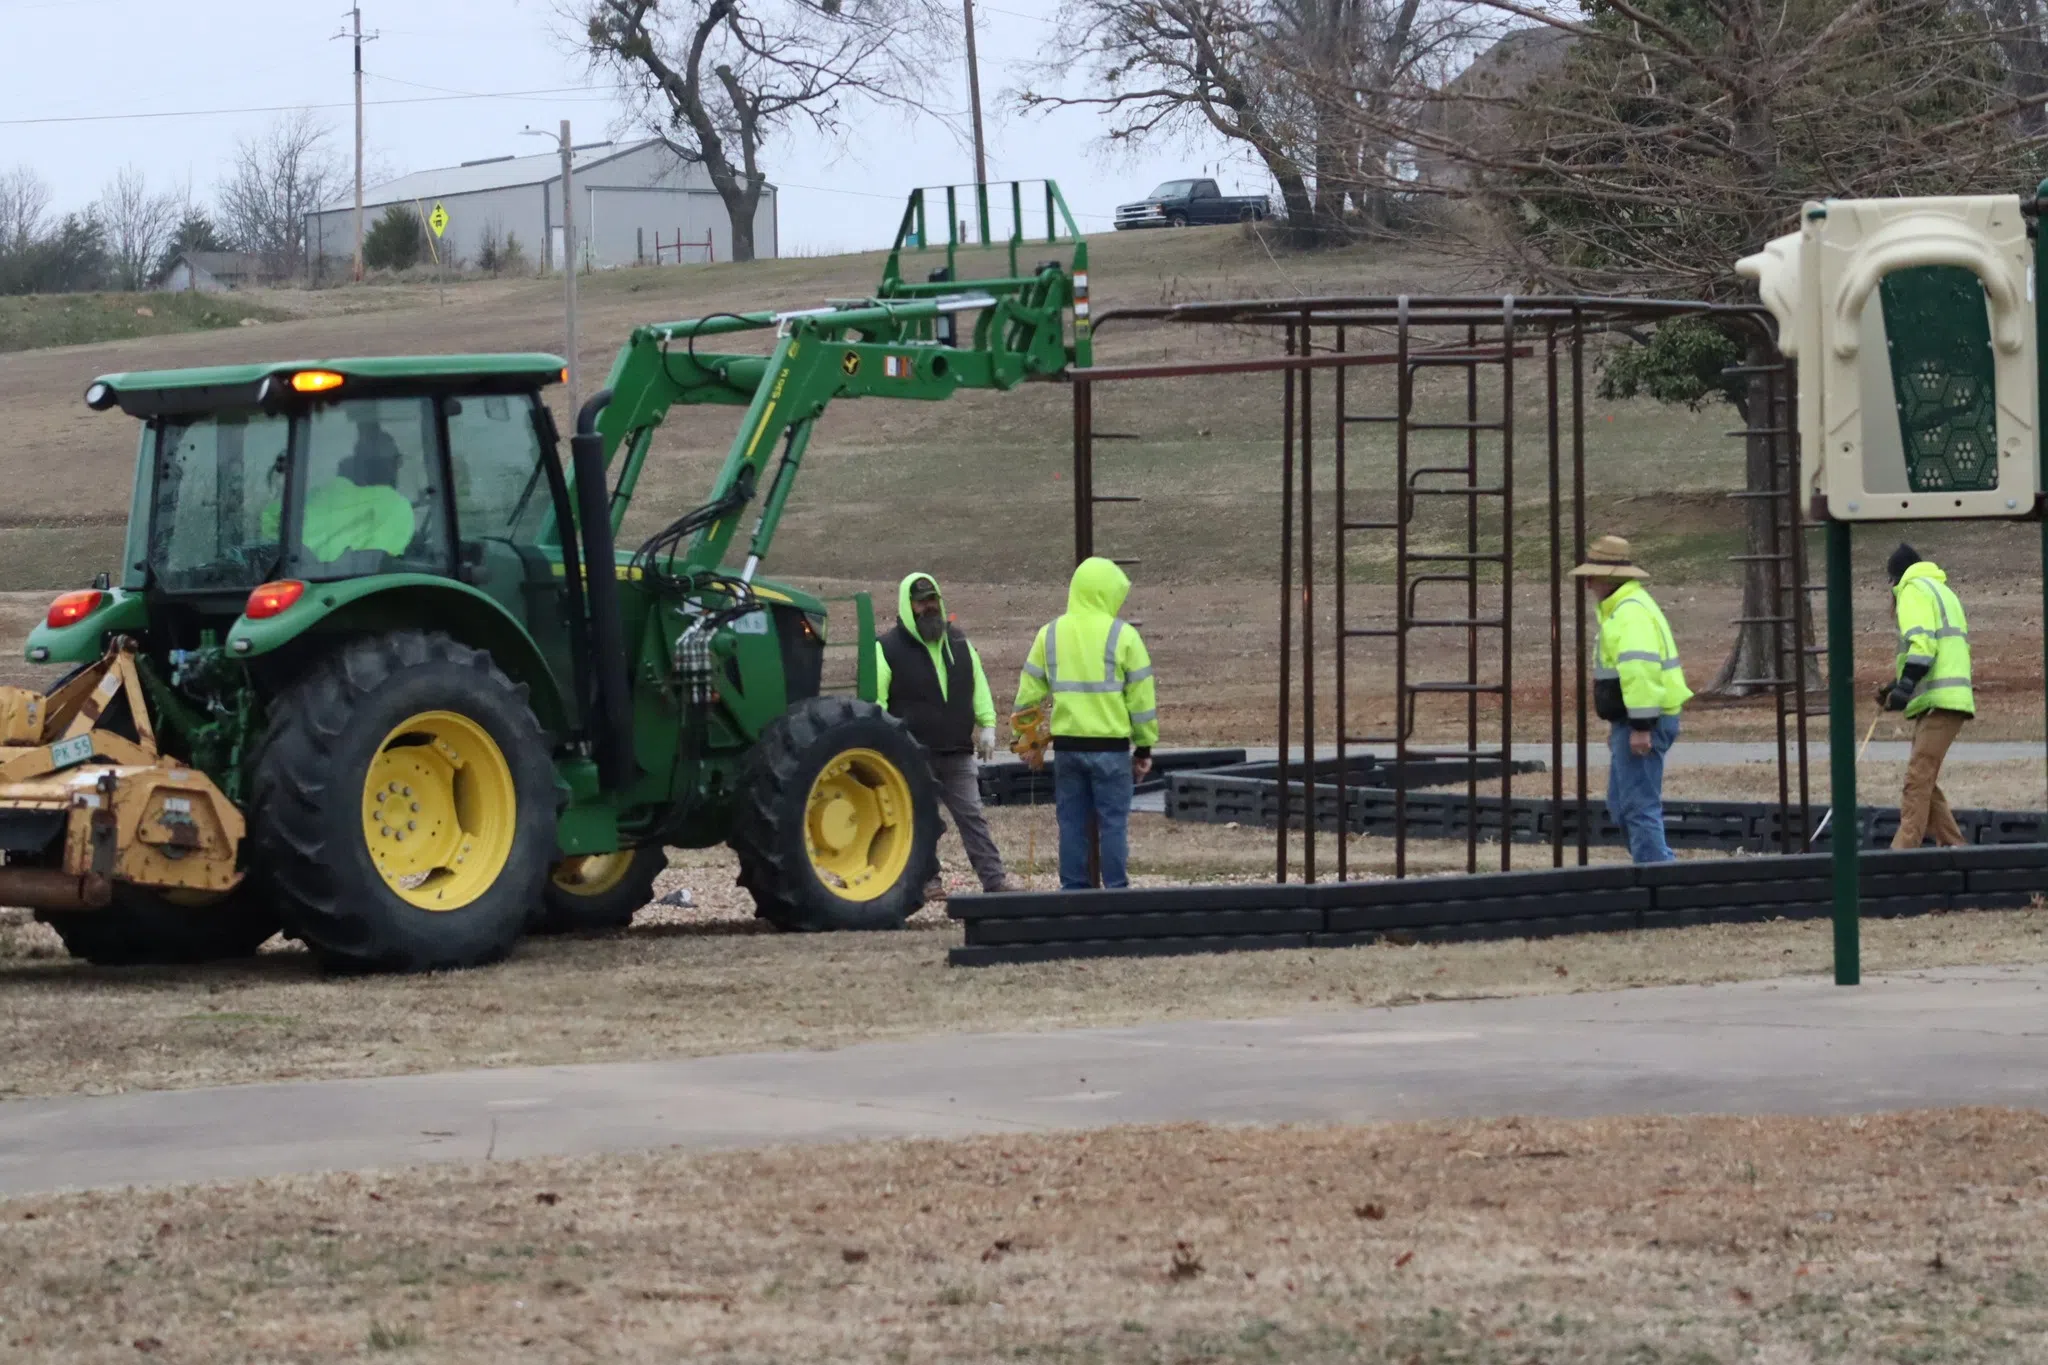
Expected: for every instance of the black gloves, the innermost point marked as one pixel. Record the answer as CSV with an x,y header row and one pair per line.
x,y
1893,696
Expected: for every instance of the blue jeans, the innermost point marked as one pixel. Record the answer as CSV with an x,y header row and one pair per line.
x,y
1635,790
1098,784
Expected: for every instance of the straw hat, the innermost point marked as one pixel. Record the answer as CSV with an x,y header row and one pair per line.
x,y
1608,557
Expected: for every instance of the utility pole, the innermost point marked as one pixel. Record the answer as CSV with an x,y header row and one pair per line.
x,y
355,32
569,271
974,97
568,265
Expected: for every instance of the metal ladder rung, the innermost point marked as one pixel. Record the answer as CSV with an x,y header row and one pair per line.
x,y
1372,526
1115,436
1473,492
1423,751
1760,621
1457,426
1458,557
1456,688
1456,622
1114,497
1758,431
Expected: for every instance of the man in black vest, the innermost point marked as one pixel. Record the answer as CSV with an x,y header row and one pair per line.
x,y
930,677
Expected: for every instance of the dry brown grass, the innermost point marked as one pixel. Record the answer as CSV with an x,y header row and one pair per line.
x,y
709,981
1900,1238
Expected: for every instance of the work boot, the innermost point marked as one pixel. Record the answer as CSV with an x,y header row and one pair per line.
x,y
1008,883
935,890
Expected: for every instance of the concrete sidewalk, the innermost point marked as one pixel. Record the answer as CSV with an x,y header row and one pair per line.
x,y
1948,1037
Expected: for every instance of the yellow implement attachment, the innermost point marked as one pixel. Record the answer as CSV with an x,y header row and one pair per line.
x,y
116,810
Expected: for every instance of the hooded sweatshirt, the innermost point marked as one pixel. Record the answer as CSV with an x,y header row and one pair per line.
x,y
936,687
1934,642
1094,667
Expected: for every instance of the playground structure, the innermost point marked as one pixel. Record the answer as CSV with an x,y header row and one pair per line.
x,y
1469,445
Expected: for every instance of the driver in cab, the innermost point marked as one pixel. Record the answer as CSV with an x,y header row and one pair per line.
x,y
360,508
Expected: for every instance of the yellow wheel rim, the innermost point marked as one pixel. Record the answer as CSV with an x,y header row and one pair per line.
x,y
439,810
593,874
859,825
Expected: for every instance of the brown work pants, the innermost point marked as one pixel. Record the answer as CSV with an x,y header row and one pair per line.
x,y
1923,810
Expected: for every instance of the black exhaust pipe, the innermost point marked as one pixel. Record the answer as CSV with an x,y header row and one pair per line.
x,y
611,727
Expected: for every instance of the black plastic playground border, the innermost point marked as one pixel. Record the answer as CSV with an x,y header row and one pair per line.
x,y
1042,926
1243,796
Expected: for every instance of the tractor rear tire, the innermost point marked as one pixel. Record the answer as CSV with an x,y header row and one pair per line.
x,y
600,892
838,819
404,807
142,928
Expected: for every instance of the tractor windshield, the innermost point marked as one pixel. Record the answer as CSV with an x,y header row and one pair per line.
x,y
215,476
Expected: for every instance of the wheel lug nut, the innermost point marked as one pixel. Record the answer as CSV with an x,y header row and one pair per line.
x,y
415,807
412,824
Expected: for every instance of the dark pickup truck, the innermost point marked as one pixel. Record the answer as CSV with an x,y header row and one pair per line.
x,y
1182,203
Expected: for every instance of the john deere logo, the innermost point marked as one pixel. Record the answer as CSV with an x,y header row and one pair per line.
x,y
851,364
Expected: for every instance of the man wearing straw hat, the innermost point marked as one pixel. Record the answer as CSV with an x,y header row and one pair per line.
x,y
1639,688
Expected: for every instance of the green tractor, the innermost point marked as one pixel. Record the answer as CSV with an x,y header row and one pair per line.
x,y
421,702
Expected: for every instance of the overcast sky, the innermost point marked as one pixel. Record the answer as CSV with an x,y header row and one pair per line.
x,y
144,60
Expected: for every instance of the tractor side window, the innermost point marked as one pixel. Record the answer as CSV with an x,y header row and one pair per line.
x,y
370,498
211,526
501,492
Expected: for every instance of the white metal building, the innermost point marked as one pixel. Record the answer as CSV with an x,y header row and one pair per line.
x,y
632,199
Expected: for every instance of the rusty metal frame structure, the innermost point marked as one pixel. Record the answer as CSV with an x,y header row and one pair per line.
x,y
1469,335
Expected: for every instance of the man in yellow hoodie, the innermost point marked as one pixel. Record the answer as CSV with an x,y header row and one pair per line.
x,y
1105,718
929,676
1931,684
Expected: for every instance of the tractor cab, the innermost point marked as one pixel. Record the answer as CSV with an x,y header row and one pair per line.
x,y
330,471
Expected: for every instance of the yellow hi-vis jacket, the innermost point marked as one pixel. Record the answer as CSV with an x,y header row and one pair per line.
x,y
1636,647
1093,665
1934,634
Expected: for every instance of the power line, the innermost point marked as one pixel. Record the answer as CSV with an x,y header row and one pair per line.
x,y
292,108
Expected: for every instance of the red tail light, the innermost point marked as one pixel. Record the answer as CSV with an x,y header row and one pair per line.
x,y
271,599
74,607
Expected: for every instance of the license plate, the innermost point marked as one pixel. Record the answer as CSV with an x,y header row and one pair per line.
x,y
66,753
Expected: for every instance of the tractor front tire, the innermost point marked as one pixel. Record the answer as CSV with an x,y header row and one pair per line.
x,y
143,928
600,891
838,819
404,811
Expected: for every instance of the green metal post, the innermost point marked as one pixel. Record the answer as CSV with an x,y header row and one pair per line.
x,y
1847,833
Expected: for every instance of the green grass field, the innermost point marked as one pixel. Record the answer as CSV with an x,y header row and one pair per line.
x,y
32,321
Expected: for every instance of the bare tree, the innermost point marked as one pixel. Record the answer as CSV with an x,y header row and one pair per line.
x,y
24,208
275,180
1653,148
138,223
719,78
1280,77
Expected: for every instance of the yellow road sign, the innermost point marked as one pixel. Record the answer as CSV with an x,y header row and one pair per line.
x,y
438,220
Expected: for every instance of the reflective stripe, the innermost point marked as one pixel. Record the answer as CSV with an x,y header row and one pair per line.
x,y
1606,674
1644,712
1638,656
1144,717
1034,670
1935,684
1116,629
1052,671
1137,675
1925,660
1670,663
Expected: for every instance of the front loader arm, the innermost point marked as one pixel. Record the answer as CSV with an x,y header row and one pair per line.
x,y
875,348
